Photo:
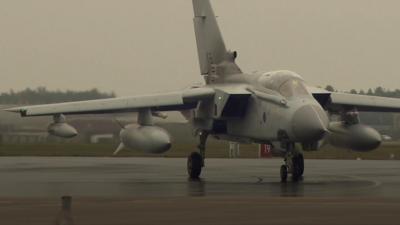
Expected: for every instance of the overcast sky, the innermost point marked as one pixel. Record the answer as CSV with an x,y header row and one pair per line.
x,y
146,46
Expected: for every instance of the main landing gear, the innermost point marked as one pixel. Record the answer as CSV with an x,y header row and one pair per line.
x,y
195,161
294,164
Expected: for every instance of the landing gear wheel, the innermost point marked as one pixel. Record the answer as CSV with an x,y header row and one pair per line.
x,y
284,173
298,167
301,164
194,165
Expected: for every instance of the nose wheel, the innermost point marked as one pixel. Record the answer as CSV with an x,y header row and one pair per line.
x,y
298,165
194,165
294,164
284,173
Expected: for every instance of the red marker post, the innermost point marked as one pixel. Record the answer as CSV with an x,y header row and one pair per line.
x,y
265,151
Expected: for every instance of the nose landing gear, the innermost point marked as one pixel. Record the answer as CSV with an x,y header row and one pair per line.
x,y
284,173
194,165
294,164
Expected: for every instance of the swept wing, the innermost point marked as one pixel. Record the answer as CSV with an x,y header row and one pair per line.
x,y
172,101
336,101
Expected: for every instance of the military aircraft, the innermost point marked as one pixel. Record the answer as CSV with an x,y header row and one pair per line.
x,y
276,108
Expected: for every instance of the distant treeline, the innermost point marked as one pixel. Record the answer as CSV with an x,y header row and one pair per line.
x,y
379,91
41,95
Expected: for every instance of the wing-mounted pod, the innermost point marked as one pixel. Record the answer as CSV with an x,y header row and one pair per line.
x,y
350,133
144,136
60,128
357,137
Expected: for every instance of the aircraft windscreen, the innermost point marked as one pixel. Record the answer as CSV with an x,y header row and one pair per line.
x,y
292,88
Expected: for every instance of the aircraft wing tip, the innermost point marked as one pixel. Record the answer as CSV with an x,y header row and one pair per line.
x,y
19,110
14,110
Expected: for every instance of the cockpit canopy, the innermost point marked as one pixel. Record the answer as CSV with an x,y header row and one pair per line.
x,y
293,87
287,83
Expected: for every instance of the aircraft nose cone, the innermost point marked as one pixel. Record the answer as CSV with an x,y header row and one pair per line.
x,y
310,123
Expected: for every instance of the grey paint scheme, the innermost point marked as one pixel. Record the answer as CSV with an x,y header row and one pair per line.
x,y
160,102
150,139
63,130
233,105
338,101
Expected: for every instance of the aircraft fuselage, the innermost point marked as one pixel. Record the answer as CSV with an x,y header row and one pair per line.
x,y
278,108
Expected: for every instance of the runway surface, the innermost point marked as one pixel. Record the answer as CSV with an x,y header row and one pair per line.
x,y
238,191
154,177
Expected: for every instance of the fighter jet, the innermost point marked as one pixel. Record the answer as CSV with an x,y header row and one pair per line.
x,y
276,108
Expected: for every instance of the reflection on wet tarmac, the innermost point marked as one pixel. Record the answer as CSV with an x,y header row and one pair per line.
x,y
292,189
139,177
64,217
196,187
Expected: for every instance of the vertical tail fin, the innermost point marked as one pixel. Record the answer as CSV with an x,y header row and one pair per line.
x,y
210,43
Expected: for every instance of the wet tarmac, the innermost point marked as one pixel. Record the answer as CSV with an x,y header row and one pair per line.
x,y
117,191
154,177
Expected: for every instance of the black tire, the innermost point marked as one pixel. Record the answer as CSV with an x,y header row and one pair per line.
x,y
301,164
194,165
284,173
298,167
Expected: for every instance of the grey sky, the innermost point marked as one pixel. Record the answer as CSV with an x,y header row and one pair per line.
x,y
142,46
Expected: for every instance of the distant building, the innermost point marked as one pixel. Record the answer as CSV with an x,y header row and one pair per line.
x,y
23,137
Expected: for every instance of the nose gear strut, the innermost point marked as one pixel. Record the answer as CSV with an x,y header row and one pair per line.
x,y
294,164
